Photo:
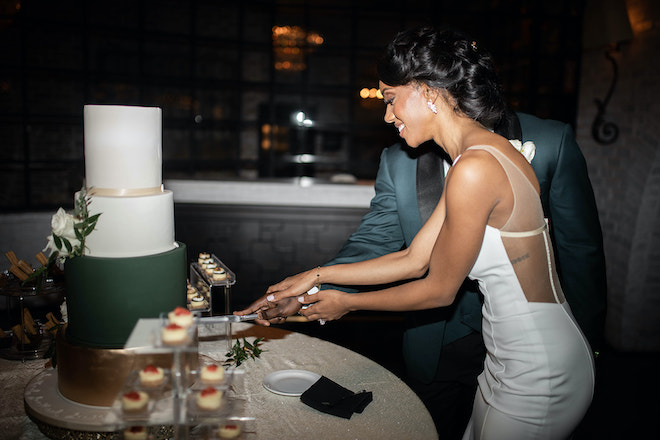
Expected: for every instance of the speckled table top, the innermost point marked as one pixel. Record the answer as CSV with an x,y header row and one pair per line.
x,y
394,413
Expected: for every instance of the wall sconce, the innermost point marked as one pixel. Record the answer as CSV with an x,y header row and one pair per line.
x,y
606,24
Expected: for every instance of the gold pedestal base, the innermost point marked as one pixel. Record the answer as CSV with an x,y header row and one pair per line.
x,y
95,376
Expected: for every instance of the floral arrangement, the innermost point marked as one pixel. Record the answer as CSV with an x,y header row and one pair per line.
x,y
67,240
69,232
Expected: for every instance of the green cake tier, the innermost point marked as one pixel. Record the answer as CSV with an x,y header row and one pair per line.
x,y
106,296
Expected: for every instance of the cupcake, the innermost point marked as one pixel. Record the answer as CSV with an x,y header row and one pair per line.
x,y
219,274
134,401
174,334
209,398
229,430
181,316
212,373
135,433
151,376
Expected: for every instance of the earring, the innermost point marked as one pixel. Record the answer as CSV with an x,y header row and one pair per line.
x,y
432,106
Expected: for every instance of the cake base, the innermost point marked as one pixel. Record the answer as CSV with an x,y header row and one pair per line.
x,y
95,376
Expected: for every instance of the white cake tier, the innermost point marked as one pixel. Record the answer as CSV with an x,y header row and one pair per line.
x,y
123,147
131,226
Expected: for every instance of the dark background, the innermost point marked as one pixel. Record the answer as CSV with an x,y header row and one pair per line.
x,y
212,66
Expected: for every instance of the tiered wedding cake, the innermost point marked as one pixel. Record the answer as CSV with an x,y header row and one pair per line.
x,y
133,267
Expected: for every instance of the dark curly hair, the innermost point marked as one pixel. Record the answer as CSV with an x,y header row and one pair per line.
x,y
448,59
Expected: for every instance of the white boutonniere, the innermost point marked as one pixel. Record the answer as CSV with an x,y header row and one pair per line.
x,y
528,149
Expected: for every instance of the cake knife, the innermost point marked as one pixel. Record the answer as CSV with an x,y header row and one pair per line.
x,y
227,318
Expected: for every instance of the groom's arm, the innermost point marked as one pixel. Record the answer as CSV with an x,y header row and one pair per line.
x,y
379,233
380,230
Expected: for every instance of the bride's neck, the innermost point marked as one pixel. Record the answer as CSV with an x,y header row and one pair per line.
x,y
459,135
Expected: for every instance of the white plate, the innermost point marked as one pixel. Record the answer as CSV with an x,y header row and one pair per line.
x,y
290,382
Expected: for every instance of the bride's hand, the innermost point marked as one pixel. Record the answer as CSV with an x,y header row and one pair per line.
x,y
326,305
292,286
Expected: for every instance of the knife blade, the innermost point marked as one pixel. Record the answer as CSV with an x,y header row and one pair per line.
x,y
227,318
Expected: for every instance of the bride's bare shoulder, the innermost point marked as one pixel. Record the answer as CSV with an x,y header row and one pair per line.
x,y
475,170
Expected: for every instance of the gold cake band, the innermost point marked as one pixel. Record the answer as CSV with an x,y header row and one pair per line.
x,y
95,376
125,192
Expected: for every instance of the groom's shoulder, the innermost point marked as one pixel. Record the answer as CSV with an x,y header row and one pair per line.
x,y
398,152
538,129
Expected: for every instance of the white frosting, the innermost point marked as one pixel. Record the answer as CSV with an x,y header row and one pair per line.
x,y
123,162
131,226
123,146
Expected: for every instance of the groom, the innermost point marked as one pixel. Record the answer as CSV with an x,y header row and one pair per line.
x,y
442,348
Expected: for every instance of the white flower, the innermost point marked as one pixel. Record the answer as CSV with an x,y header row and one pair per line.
x,y
528,149
67,239
62,224
50,245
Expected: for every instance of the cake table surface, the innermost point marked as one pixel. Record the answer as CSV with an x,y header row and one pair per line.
x,y
395,412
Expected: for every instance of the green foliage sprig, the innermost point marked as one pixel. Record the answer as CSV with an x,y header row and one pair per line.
x,y
241,353
69,241
83,226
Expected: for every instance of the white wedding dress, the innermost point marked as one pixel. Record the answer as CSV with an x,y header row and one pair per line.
x,y
538,376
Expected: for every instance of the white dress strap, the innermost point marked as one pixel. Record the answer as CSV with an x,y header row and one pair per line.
x,y
536,231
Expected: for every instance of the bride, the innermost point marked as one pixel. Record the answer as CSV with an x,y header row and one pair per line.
x,y
538,375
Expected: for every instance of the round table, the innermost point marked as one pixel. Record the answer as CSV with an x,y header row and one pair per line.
x,y
395,412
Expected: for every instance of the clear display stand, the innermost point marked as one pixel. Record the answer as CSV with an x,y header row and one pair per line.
x,y
175,403
212,280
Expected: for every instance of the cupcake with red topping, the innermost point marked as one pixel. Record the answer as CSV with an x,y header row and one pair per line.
x,y
174,334
134,401
181,316
151,376
229,430
209,398
135,433
212,374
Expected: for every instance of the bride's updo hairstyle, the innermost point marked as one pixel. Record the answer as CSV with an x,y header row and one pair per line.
x,y
447,59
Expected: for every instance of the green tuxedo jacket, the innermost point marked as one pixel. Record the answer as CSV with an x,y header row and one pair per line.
x,y
568,202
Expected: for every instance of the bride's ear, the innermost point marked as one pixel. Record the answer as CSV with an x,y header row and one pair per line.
x,y
430,93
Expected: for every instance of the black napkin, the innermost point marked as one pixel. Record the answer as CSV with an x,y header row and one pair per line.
x,y
329,397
